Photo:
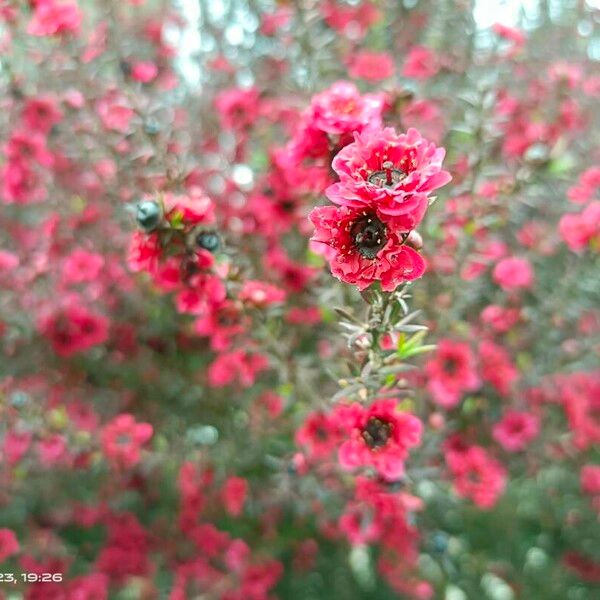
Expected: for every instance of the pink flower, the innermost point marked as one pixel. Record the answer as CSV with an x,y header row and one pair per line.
x,y
55,17
421,63
394,171
236,365
587,186
115,112
81,266
123,438
363,247
41,114
513,273
477,475
20,183
234,495
451,373
52,450
73,328
581,229
580,397
516,430
501,319
195,208
590,479
9,544
15,446
342,110
371,66
319,435
497,367
238,107
379,436
144,71
261,294
144,252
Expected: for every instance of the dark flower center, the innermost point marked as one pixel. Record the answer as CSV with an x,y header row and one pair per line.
x,y
376,433
451,365
387,177
368,235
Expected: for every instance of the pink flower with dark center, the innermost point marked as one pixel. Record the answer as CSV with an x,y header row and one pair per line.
x,y
516,430
379,437
41,114
451,373
394,171
319,435
477,475
364,246
73,328
123,438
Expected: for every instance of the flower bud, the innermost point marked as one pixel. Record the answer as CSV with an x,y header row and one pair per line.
x,y
148,215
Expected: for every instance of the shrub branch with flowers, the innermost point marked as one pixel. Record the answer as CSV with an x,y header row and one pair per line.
x,y
299,300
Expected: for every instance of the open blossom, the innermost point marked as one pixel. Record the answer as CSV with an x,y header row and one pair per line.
x,y
497,367
513,273
477,475
379,436
319,434
341,109
579,230
371,66
55,17
74,328
516,430
363,247
394,171
421,63
123,438
451,373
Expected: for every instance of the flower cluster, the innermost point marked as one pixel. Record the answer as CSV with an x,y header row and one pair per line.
x,y
378,436
382,196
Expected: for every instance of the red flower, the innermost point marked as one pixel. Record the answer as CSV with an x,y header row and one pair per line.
x,y
513,273
380,437
55,17
582,229
319,435
364,246
234,495
451,373
371,66
73,328
477,475
516,430
497,367
237,107
421,63
342,110
123,438
394,171
9,544
236,365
